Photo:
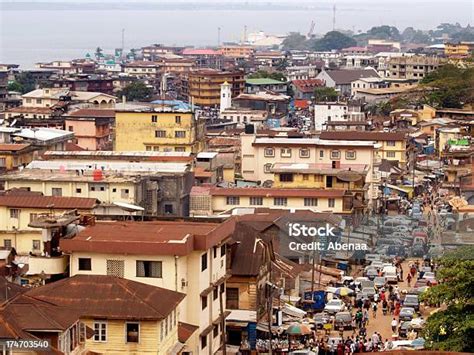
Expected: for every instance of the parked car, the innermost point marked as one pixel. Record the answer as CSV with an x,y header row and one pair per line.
x,y
430,277
320,319
412,301
369,292
404,328
380,282
372,274
406,314
343,319
334,306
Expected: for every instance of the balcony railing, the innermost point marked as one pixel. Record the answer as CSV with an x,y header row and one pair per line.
x,y
49,265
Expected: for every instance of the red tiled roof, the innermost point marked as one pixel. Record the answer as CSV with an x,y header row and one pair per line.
x,y
36,201
12,147
148,238
363,136
72,147
307,85
273,192
90,112
185,330
109,297
302,104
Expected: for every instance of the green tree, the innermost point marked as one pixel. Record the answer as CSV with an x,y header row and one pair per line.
x,y
452,328
15,86
264,74
325,94
333,40
385,32
451,86
295,40
27,82
137,91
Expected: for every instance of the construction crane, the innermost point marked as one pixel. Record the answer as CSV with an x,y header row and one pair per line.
x,y
311,29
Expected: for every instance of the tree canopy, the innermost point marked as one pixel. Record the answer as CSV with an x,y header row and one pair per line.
x,y
24,82
295,40
264,74
333,40
325,94
137,91
452,328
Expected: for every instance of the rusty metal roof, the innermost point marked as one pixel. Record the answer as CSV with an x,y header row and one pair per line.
x,y
47,202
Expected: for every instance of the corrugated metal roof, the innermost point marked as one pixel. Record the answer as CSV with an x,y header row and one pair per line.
x,y
47,202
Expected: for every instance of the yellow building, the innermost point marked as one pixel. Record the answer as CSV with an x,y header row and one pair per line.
x,y
185,257
458,50
14,155
127,317
19,209
154,130
237,51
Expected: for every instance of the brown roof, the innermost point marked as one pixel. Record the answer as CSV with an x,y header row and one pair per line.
x,y
72,147
47,202
149,238
307,85
274,192
12,147
109,297
363,136
346,76
93,113
9,289
23,109
185,330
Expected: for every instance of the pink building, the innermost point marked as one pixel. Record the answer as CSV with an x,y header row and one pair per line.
x,y
92,128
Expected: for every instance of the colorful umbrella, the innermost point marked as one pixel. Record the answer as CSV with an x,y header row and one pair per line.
x,y
343,291
298,329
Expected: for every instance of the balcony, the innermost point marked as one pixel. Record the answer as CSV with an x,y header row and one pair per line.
x,y
49,265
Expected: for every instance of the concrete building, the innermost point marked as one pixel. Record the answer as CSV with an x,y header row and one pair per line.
x,y
242,116
226,96
237,52
186,257
253,86
341,80
304,89
49,97
158,128
333,113
411,67
367,83
458,50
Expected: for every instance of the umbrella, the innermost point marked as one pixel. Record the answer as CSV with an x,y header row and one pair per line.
x,y
343,291
298,329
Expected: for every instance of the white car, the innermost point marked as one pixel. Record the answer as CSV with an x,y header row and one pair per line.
x,y
335,306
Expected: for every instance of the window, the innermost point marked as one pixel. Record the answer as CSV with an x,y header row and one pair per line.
x,y
33,217
177,119
7,243
256,201
305,177
179,149
133,332
223,250
215,293
269,152
203,302
156,148
36,244
71,128
148,148
57,191
100,331
147,268
350,155
286,177
115,268
154,118
215,330
14,213
391,143
321,153
335,154
203,341
114,189
285,152
233,200
180,134
168,208
102,188
92,188
160,134
124,193
280,201
78,191
331,202
304,153
38,101
267,168
85,264
203,262
162,330
390,154
318,178
232,299
310,201
214,252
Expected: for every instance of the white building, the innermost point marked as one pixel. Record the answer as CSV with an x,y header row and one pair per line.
x,y
335,112
226,96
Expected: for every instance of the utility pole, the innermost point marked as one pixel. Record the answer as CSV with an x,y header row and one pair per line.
x,y
334,17
270,309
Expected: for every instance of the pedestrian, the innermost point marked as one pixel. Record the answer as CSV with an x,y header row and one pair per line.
x,y
408,280
374,310
394,325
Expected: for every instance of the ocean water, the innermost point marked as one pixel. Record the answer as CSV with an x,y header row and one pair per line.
x,y
30,33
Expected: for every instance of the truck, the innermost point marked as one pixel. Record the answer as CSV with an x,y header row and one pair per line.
x,y
390,273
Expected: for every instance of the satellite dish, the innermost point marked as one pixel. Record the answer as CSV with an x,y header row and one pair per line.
x,y
349,176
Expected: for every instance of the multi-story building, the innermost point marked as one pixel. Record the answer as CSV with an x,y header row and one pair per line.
x,y
49,97
330,113
203,57
458,50
204,86
252,86
158,128
92,128
341,80
124,316
186,257
411,67
237,52
91,83
391,146
142,69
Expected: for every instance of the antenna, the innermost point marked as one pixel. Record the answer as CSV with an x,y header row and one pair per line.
x,y
334,17
218,36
